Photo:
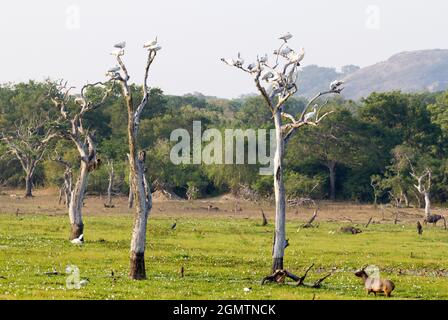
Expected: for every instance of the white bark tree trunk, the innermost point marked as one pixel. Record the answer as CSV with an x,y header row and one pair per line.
x,y
427,203
143,205
111,183
77,201
280,202
68,185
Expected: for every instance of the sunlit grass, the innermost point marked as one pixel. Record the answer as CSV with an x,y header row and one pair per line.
x,y
221,256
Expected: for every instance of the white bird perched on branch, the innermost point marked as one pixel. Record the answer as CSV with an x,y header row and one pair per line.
x,y
336,85
286,37
154,48
268,75
311,114
79,240
117,52
120,45
254,68
284,52
296,57
150,43
239,61
114,69
264,59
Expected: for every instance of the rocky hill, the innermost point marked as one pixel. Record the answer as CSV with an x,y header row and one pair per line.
x,y
415,71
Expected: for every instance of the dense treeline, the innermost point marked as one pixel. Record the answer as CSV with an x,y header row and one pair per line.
x,y
362,150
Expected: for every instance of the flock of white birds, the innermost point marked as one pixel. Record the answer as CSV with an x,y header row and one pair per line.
x,y
119,51
280,82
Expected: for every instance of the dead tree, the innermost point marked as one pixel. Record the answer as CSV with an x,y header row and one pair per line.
x,y
28,142
276,83
423,186
374,183
111,173
140,187
67,186
72,128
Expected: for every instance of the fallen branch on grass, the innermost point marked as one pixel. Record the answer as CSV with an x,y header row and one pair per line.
x,y
280,276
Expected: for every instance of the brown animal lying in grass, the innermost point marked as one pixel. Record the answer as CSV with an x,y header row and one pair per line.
x,y
375,285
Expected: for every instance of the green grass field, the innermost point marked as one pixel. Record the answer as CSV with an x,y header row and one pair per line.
x,y
221,256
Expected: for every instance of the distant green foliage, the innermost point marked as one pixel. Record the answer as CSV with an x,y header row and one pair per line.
x,y
359,139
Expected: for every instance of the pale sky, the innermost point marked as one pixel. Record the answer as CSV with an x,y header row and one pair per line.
x,y
73,39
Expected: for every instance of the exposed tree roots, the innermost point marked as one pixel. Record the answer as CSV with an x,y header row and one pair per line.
x,y
279,276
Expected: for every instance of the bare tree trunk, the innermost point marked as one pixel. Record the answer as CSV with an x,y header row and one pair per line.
x,y
131,194
280,203
143,207
331,165
61,191
28,184
76,203
111,183
406,199
68,187
427,204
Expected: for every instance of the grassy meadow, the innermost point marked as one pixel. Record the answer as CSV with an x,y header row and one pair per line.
x,y
221,256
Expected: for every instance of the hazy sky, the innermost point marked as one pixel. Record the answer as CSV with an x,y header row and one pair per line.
x,y
73,39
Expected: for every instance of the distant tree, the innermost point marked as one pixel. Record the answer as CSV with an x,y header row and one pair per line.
x,y
276,82
28,142
337,141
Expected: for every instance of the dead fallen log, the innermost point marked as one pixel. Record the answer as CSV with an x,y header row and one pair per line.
x,y
279,276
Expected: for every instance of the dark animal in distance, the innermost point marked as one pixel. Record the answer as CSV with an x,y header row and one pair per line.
x,y
375,285
434,218
351,230
419,228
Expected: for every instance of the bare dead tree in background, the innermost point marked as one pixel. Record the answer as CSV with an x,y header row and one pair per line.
x,y
67,186
277,82
72,128
423,186
140,188
28,142
111,173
